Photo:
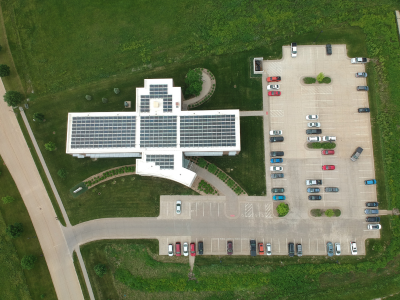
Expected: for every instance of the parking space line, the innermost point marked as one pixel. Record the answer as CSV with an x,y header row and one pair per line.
x,y
203,209
366,192
317,246
279,243
218,209
167,207
210,210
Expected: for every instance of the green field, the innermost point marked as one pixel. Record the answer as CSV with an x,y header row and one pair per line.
x,y
16,283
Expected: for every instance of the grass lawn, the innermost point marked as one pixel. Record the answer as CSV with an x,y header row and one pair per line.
x,y
15,282
80,277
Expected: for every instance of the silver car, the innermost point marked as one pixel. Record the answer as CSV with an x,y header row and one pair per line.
x,y
314,124
337,249
178,207
268,248
329,248
185,249
275,132
312,117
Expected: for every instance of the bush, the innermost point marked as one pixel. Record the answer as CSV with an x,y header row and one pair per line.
x,y
320,77
194,82
50,146
318,145
116,91
337,212
62,173
230,183
205,187
13,98
222,176
212,168
28,262
38,116
316,212
326,80
104,100
282,209
7,199
4,70
14,231
100,270
309,80
88,97
329,213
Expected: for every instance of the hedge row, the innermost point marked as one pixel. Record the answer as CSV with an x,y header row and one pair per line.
x,y
318,145
110,174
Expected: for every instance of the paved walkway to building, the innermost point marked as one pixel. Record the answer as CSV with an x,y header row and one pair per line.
x,y
256,113
207,86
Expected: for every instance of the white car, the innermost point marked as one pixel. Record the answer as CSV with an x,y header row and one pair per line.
x,y
312,117
293,48
358,60
178,207
337,249
268,248
275,132
314,139
329,138
314,124
276,168
353,248
374,226
170,250
273,87
185,249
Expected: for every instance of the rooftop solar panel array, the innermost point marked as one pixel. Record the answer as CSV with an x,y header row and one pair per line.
x,y
103,132
207,131
157,91
157,131
166,162
145,103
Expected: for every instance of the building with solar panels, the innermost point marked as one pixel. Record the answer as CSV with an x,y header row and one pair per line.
x,y
159,134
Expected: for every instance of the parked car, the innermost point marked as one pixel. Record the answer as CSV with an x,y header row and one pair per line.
x,y
328,167
369,211
313,190
313,182
275,139
170,250
364,110
276,160
278,197
314,124
327,152
314,197
356,154
274,79
291,249
372,219
362,88
337,249
253,250
276,153
371,204
274,93
329,138
374,226
178,207
275,168
192,249
353,248
358,60
312,117
277,175
313,131
273,87
229,247
370,181
312,139
293,49
260,249
361,74
200,248
277,190
331,190
299,250
275,132
268,248
178,248
328,49
329,248
185,249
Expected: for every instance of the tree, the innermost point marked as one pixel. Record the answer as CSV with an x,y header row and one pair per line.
x,y
38,116
88,97
105,100
7,199
194,82
28,262
320,77
329,213
282,209
62,173
13,98
14,231
4,70
50,146
116,91
100,270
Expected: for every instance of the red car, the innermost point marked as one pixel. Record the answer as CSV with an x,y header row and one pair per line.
x,y
229,247
274,93
178,249
192,249
328,152
328,167
274,79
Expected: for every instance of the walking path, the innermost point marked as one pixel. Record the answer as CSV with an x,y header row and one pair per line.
x,y
257,113
207,86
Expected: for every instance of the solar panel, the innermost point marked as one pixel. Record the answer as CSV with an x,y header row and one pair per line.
x,y
145,103
157,131
167,103
157,91
207,131
103,132
166,162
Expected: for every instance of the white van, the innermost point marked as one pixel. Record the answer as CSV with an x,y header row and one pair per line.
x,y
293,48
329,138
337,249
170,250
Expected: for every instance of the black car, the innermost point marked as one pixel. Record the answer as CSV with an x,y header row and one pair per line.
x,y
371,204
276,139
200,247
362,88
277,175
277,190
313,131
276,153
314,197
363,110
373,219
253,248
291,249
331,189
328,49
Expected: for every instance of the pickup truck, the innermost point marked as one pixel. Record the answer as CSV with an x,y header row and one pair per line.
x,y
253,248
313,182
356,154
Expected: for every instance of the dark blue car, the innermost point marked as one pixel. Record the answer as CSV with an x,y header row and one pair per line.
x,y
276,160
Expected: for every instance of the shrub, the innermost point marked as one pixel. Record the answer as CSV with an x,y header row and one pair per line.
x,y
212,168
320,77
100,270
205,187
326,80
318,145
194,82
116,91
329,213
316,212
38,116
28,262
62,173
282,209
337,212
4,70
309,80
238,190
88,97
50,146
104,100
230,183
222,176
13,98
7,199
14,231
